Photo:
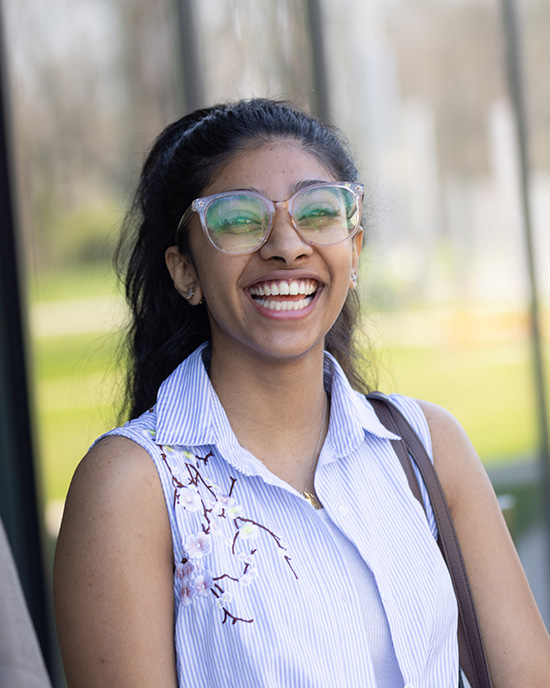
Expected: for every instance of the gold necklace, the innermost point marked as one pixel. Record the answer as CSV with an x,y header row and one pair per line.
x,y
311,496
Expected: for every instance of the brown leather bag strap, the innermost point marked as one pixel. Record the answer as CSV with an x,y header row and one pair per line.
x,y
472,654
379,403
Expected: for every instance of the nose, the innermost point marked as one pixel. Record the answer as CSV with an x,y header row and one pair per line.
x,y
284,243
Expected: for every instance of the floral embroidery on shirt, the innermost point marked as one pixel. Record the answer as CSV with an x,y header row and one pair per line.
x,y
220,513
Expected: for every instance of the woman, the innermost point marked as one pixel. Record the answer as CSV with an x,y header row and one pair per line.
x,y
272,540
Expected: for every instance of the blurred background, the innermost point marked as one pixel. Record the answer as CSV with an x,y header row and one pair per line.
x,y
447,106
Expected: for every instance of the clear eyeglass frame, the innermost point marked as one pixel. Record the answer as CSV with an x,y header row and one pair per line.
x,y
200,206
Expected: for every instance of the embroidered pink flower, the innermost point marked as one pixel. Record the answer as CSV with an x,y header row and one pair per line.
x,y
225,500
190,499
184,570
224,599
187,592
248,577
235,511
222,502
198,546
249,531
204,583
215,528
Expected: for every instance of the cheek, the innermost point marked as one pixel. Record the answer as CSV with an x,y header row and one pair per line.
x,y
219,276
342,263
208,262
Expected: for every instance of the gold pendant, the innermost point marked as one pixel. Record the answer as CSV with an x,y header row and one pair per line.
x,y
312,499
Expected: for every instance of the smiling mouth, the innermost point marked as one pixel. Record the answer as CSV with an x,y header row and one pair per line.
x,y
284,295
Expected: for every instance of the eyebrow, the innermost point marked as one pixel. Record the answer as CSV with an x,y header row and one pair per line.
x,y
308,182
294,189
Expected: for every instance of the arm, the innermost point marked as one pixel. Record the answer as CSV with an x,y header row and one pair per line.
x,y
516,641
113,573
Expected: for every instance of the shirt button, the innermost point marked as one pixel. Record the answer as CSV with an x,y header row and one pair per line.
x,y
343,511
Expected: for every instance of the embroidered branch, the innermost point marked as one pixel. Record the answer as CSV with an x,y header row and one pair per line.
x,y
216,510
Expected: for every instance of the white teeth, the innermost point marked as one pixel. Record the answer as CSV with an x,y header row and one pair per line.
x,y
284,288
285,305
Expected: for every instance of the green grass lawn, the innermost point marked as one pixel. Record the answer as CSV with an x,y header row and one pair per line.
x,y
488,386
76,401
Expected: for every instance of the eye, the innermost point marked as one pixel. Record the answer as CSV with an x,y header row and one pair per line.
x,y
237,214
237,222
318,208
317,212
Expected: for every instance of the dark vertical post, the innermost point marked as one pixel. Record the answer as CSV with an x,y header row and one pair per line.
x,y
321,105
18,497
514,72
193,90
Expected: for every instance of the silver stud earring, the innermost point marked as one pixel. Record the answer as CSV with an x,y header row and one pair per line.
x,y
354,277
189,294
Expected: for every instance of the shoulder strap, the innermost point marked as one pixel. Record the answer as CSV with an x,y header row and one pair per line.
x,y
472,653
381,406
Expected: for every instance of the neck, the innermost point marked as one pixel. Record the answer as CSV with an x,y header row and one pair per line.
x,y
276,409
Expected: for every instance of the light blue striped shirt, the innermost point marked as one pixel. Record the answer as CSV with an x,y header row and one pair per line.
x,y
270,592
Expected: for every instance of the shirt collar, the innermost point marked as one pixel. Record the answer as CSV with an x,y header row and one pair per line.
x,y
188,409
351,415
190,414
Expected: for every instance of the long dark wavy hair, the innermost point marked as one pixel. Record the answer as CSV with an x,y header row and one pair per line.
x,y
164,328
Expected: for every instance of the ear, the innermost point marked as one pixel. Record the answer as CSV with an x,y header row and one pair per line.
x,y
356,246
183,275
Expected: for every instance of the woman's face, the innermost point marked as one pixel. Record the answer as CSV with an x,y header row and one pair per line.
x,y
243,316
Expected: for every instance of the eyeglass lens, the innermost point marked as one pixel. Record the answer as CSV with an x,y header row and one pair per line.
x,y
239,222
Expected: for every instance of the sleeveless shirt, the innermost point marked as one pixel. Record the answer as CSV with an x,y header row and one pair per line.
x,y
270,592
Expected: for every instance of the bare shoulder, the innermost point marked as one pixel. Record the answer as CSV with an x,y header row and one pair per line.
x,y
444,427
115,456
518,653
113,569
115,490
455,458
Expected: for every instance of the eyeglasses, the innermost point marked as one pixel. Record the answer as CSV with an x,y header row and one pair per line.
x,y
240,222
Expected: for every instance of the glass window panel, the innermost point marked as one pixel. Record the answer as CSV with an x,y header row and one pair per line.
x,y
417,85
